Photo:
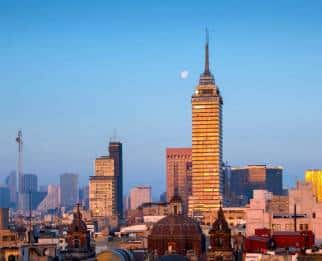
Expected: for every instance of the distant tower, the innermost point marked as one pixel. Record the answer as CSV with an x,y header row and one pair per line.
x,y
19,163
116,153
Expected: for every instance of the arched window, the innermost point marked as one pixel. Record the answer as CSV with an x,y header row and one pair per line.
x,y
76,243
12,258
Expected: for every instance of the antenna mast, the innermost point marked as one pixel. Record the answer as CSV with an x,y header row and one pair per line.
x,y
19,164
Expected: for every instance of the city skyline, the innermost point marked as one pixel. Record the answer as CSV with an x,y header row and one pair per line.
x,y
69,95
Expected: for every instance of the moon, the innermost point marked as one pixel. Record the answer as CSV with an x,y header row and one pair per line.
x,y
184,74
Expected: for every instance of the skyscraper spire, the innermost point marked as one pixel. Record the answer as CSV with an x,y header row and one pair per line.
x,y
207,71
206,77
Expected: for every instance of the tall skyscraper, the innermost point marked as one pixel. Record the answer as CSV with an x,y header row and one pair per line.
x,y
102,192
30,197
29,183
11,182
207,177
244,180
179,169
69,189
314,176
116,153
140,195
84,196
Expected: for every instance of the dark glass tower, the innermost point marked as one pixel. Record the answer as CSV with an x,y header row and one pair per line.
x,y
115,151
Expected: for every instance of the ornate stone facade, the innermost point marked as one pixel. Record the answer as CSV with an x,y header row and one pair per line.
x,y
78,240
220,239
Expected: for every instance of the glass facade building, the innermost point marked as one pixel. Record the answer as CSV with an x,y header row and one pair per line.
x,y
207,176
115,149
244,180
69,190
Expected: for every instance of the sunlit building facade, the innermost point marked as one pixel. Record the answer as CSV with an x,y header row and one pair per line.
x,y
102,192
207,176
179,170
314,176
140,195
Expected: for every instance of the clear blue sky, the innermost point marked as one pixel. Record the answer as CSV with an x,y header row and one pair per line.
x,y
72,71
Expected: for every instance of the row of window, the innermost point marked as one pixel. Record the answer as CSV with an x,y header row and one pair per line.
x,y
289,227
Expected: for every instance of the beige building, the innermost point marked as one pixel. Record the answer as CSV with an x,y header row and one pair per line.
x,y
102,192
140,195
179,170
264,212
207,176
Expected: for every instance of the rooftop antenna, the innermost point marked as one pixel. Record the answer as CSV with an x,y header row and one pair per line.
x,y
114,136
207,71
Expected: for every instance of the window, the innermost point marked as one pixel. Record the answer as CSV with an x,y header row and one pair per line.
x,y
76,243
276,227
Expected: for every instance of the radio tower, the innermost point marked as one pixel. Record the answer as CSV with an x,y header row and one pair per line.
x,y
19,163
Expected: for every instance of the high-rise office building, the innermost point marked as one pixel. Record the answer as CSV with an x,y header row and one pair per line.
x,y
314,176
207,177
29,197
179,170
102,192
116,153
69,190
226,190
140,195
11,182
4,197
52,200
246,179
84,196
29,183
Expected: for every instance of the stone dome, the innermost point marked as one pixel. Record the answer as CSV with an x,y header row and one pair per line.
x,y
178,225
176,234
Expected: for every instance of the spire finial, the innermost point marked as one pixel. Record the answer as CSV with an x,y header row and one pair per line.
x,y
207,71
206,77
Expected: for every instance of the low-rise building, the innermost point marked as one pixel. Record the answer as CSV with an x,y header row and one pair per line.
x,y
304,212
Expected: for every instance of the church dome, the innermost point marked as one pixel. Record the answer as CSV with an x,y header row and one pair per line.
x,y
176,234
178,225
